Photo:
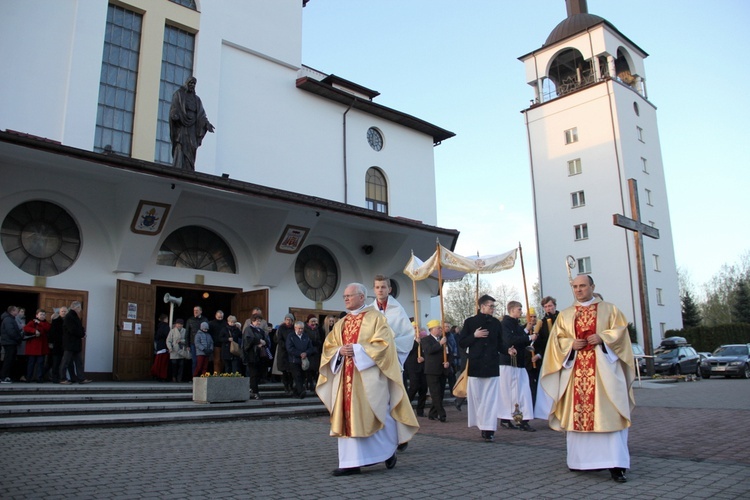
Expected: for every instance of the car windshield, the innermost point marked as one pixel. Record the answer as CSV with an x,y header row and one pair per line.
x,y
731,350
666,353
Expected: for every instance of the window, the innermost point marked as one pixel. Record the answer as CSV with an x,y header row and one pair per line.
x,y
577,199
571,135
657,263
639,131
663,329
195,247
40,238
114,117
376,189
582,231
190,4
644,163
176,68
649,201
584,265
659,298
574,167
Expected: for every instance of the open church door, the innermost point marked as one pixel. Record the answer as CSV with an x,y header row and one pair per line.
x,y
244,303
134,331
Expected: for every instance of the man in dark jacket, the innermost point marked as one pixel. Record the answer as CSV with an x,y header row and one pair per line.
x,y
55,338
481,334
299,347
435,368
414,368
73,335
10,338
515,393
193,326
542,329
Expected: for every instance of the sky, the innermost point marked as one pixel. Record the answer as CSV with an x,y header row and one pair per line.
x,y
454,63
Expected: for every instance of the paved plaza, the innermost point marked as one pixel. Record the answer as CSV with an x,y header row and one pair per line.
x,y
688,440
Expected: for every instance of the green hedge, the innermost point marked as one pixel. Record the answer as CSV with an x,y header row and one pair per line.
x,y
708,338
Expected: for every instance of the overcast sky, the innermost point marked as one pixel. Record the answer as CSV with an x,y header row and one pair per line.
x,y
454,63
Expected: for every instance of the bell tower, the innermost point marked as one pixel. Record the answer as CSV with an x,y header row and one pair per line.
x,y
591,127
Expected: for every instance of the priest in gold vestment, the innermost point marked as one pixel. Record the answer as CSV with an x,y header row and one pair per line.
x,y
361,384
588,371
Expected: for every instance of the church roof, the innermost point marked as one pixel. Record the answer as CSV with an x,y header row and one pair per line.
x,y
325,89
20,145
572,25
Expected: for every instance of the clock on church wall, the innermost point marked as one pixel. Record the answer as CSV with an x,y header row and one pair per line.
x,y
375,138
316,273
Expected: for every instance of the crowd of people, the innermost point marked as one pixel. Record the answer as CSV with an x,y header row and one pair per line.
x,y
367,365
53,349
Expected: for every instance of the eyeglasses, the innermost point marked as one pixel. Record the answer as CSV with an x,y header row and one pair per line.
x,y
350,296
490,306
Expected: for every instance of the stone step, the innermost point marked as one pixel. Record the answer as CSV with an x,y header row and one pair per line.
x,y
47,406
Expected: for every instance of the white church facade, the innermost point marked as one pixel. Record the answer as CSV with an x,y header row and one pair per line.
x,y
305,186
591,127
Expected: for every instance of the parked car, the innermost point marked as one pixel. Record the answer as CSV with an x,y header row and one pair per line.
x,y
704,355
731,360
639,358
675,357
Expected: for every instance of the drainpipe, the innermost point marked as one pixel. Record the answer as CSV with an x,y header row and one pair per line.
x,y
346,179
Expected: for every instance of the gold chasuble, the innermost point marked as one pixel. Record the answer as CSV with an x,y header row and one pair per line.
x,y
358,401
596,394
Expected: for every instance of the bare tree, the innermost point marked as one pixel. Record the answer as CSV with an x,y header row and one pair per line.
x,y
460,299
720,292
504,293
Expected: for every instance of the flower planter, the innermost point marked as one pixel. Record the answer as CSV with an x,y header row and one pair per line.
x,y
220,389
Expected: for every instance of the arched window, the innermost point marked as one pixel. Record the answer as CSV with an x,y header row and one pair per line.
x,y
376,189
194,247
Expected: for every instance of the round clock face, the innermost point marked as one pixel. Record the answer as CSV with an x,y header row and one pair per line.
x,y
375,139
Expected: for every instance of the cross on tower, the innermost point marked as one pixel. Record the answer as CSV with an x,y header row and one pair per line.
x,y
639,228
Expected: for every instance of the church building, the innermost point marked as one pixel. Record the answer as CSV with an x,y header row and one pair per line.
x,y
592,131
305,185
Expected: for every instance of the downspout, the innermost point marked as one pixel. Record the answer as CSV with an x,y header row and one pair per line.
x,y
346,179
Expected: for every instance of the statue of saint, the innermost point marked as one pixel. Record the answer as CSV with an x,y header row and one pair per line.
x,y
188,125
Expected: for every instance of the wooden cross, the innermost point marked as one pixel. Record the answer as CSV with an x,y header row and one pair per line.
x,y
639,229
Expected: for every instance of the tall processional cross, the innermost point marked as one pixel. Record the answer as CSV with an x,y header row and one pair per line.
x,y
639,230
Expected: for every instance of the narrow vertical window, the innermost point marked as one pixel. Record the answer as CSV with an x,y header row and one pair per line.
x,y
574,167
115,112
582,231
639,132
644,163
571,135
577,199
584,265
376,189
659,297
649,201
176,68
657,263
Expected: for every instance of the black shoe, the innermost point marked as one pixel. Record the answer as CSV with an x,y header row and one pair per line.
x,y
618,474
391,462
346,472
442,419
402,446
459,403
507,424
526,427
490,436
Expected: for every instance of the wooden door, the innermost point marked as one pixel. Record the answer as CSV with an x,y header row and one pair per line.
x,y
244,303
133,352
